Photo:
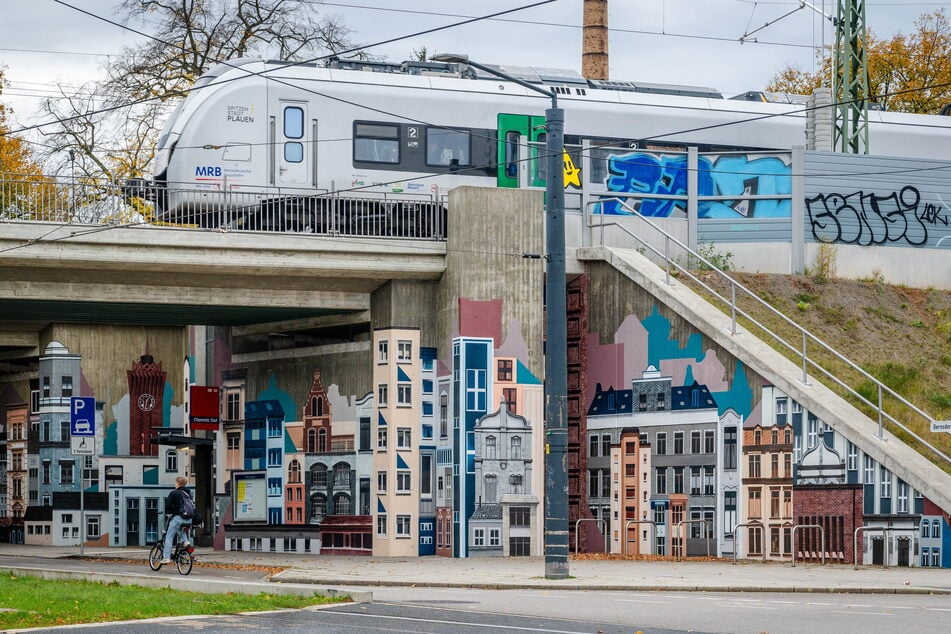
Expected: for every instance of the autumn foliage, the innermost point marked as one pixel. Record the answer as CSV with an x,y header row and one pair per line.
x,y
907,73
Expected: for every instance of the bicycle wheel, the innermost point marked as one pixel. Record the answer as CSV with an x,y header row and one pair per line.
x,y
155,557
184,562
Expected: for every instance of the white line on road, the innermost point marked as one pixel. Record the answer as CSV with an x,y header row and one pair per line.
x,y
442,622
854,612
747,606
642,601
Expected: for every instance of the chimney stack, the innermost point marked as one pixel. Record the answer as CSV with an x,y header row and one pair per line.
x,y
594,58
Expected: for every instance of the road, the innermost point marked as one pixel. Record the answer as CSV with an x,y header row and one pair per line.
x,y
430,610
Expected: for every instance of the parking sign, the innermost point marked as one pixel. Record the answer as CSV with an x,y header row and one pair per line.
x,y
82,416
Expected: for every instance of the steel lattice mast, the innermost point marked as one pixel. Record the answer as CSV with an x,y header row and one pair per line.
x,y
850,78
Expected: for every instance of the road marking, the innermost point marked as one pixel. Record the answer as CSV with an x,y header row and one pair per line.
x,y
855,612
820,604
748,606
642,601
939,609
519,628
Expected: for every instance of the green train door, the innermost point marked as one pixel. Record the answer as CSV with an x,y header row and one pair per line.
x,y
520,139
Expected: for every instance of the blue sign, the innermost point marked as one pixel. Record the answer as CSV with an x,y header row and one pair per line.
x,y
82,416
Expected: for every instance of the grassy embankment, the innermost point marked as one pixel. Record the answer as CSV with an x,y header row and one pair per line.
x,y
35,602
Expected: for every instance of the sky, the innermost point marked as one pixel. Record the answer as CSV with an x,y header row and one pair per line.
x,y
659,41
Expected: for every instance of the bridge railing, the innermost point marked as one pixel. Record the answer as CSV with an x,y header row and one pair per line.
x,y
222,206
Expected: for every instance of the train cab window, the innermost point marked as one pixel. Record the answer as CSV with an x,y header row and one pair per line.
x,y
376,143
447,148
293,122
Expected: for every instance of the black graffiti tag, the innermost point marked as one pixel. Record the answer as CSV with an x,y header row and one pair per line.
x,y
867,219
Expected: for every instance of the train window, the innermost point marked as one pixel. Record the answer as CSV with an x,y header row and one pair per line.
x,y
293,122
448,148
512,141
293,152
376,143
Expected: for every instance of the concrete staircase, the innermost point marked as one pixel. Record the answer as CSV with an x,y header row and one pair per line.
x,y
889,451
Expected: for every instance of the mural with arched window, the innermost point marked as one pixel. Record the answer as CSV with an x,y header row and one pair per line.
x,y
293,472
318,507
343,504
342,479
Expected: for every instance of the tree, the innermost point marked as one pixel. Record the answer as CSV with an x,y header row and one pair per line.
x,y
190,36
908,73
22,185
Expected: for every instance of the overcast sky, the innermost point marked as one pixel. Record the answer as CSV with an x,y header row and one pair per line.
x,y
651,40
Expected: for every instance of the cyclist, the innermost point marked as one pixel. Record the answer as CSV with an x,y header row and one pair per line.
x,y
180,507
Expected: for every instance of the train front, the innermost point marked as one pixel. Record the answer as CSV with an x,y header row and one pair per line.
x,y
211,152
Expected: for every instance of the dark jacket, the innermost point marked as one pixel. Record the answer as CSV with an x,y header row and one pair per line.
x,y
174,502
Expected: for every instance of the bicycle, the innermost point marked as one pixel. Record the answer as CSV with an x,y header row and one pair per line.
x,y
182,556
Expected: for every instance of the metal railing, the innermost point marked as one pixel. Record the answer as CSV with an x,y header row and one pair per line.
x,y
601,523
736,538
683,540
800,350
822,539
855,545
627,526
223,206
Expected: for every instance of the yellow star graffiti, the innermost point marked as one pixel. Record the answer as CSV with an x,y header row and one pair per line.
x,y
572,173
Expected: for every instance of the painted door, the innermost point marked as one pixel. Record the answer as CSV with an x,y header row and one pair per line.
x,y
520,139
904,551
295,149
878,552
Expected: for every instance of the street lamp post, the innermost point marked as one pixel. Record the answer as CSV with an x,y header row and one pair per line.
x,y
556,346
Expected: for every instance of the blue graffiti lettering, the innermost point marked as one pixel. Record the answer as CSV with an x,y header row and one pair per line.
x,y
666,175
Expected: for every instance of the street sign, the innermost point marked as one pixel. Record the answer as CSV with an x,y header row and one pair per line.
x,y
82,416
83,445
941,425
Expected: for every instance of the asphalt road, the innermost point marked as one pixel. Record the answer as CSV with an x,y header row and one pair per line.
x,y
430,610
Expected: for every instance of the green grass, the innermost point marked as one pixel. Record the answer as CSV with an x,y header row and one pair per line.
x,y
41,602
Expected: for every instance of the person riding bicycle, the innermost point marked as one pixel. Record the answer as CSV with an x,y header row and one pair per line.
x,y
180,507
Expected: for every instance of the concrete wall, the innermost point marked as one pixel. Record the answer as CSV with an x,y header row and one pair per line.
x,y
490,229
406,304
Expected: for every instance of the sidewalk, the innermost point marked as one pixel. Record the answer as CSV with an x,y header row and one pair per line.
x,y
498,573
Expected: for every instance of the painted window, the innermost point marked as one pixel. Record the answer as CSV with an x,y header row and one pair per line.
x,y
478,537
404,438
382,351
660,480
381,482
852,457
171,460
661,444
381,441
495,537
404,482
781,404
382,391
491,448
475,390
381,525
678,443
505,369
695,442
516,453
404,394
404,351
491,488
902,496
709,441
886,477
403,526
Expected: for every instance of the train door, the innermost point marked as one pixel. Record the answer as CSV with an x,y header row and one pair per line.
x,y
295,146
521,137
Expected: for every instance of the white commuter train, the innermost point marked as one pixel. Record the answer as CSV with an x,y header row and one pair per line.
x,y
286,138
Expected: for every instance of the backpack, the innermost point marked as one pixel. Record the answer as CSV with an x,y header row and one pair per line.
x,y
187,506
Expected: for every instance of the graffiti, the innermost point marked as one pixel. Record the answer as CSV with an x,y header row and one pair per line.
x,y
867,218
729,175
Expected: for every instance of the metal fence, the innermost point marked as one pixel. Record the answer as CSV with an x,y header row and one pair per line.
x,y
221,206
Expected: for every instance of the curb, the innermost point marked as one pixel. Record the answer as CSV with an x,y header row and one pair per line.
x,y
283,577
180,582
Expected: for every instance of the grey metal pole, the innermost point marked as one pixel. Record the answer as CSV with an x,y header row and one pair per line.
x,y
556,353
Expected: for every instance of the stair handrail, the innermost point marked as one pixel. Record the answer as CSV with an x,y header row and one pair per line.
x,y
806,335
